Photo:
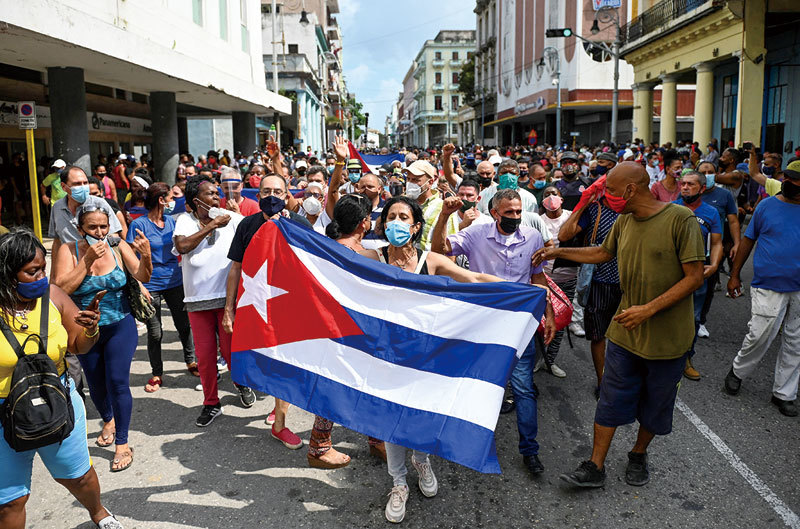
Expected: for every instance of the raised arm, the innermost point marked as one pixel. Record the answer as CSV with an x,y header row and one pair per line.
x,y
141,267
340,149
439,242
447,165
755,170
186,243
70,274
571,228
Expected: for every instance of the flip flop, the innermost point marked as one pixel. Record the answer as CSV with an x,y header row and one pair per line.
x,y
155,383
116,461
105,438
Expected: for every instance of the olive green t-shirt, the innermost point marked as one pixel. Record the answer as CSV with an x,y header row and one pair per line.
x,y
649,255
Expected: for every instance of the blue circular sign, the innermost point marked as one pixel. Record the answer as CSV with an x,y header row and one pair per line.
x,y
26,109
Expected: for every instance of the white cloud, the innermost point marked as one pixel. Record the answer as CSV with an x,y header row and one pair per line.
x,y
357,75
348,8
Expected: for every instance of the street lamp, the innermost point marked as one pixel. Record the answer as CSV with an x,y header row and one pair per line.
x,y
554,66
610,15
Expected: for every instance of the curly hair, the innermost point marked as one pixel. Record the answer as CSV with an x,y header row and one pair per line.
x,y
17,248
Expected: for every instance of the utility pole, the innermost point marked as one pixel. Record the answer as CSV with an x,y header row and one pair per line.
x,y
555,70
483,116
275,41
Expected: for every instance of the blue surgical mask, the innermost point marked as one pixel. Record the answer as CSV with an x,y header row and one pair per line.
x,y
540,184
397,232
169,208
710,180
331,168
271,205
79,193
508,181
91,240
33,290
354,177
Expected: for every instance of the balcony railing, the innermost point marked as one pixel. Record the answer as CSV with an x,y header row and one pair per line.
x,y
437,63
659,17
437,87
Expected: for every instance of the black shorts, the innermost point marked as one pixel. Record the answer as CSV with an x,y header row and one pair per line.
x,y
634,388
603,302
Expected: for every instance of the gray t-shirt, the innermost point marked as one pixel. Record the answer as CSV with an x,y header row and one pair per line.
x,y
62,227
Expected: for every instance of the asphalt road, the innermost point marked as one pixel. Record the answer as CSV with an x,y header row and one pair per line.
x,y
734,464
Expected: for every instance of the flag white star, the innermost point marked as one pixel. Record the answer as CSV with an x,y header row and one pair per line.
x,y
257,291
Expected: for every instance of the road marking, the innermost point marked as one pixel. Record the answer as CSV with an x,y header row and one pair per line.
x,y
789,517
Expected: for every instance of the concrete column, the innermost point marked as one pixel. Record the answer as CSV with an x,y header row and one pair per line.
x,y
669,109
68,114
751,74
164,116
643,112
703,103
244,132
183,135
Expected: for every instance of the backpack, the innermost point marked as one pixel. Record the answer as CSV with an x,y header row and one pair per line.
x,y
38,409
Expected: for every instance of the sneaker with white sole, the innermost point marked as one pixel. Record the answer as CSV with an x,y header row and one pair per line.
x,y
576,329
246,395
427,479
557,371
208,414
396,506
702,332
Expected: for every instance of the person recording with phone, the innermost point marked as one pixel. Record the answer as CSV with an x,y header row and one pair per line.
x,y
90,265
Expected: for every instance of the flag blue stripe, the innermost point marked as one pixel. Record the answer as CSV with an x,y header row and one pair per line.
x,y
380,159
412,348
429,432
505,296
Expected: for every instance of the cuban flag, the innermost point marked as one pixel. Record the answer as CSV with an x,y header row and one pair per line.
x,y
370,163
420,361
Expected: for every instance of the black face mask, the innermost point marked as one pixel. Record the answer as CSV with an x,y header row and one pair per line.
x,y
691,199
509,225
271,205
485,182
466,204
790,190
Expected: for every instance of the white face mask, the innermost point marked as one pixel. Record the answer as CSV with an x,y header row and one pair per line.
x,y
312,206
216,212
413,191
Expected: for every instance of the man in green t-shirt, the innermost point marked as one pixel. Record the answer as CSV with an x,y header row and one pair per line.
x,y
53,181
660,255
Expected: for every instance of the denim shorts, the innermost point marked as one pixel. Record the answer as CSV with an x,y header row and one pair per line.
x,y
66,460
634,388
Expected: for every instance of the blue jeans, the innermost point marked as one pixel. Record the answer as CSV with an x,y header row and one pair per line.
x,y
698,298
525,395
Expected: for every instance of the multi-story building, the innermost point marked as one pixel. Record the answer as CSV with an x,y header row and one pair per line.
x,y
745,84
129,76
308,47
437,68
406,105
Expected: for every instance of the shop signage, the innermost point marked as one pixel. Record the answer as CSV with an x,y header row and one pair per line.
x,y
10,113
27,114
598,4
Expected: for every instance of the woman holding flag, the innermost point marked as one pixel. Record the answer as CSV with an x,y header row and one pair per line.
x,y
402,220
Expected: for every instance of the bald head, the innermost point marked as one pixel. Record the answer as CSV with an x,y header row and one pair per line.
x,y
628,173
485,167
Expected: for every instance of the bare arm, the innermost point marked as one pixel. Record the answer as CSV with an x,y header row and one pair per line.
x,y
231,289
186,243
550,317
439,242
729,179
634,316
442,266
78,341
340,148
736,233
53,253
121,219
140,267
755,170
447,165
70,274
735,281
716,255
571,228
589,255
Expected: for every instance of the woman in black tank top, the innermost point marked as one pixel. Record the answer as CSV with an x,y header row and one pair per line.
x,y
401,224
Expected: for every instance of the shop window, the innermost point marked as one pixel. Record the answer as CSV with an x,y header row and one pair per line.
x,y
777,92
730,97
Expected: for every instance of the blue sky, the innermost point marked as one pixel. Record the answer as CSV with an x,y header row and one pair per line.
x,y
382,37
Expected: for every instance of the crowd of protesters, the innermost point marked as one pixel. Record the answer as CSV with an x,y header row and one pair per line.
x,y
630,239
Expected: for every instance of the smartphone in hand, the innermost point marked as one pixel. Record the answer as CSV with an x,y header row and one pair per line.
x,y
95,304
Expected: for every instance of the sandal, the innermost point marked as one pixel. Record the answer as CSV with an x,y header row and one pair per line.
x,y
106,442
116,461
193,369
153,385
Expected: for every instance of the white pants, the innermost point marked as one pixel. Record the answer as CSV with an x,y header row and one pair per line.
x,y
577,311
768,311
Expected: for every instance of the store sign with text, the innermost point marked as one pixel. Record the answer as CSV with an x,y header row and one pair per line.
x,y
9,115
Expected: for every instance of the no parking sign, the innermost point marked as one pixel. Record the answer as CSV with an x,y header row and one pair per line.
x,y
26,111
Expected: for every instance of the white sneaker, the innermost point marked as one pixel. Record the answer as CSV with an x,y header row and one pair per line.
x,y
396,506
557,371
109,522
576,329
702,332
539,364
141,328
427,480
198,387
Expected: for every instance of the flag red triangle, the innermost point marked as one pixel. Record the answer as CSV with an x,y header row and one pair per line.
x,y
354,154
305,311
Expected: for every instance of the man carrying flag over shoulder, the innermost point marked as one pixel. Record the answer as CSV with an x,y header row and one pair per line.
x,y
417,360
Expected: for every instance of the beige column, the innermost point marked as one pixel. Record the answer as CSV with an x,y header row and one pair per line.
x,y
703,103
751,74
643,112
669,109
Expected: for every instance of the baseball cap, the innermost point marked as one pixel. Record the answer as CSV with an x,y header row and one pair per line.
x,y
122,157
421,167
569,155
792,170
60,164
300,163
743,168
353,164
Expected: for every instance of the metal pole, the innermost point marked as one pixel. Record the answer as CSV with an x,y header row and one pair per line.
x,y
34,183
275,68
558,105
615,96
483,116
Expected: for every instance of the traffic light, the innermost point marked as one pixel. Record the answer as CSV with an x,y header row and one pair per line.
x,y
560,32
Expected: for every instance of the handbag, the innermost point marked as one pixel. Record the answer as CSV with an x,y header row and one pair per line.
x,y
584,280
38,409
141,308
562,306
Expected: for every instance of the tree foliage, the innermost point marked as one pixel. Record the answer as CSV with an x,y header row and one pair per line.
x,y
466,80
